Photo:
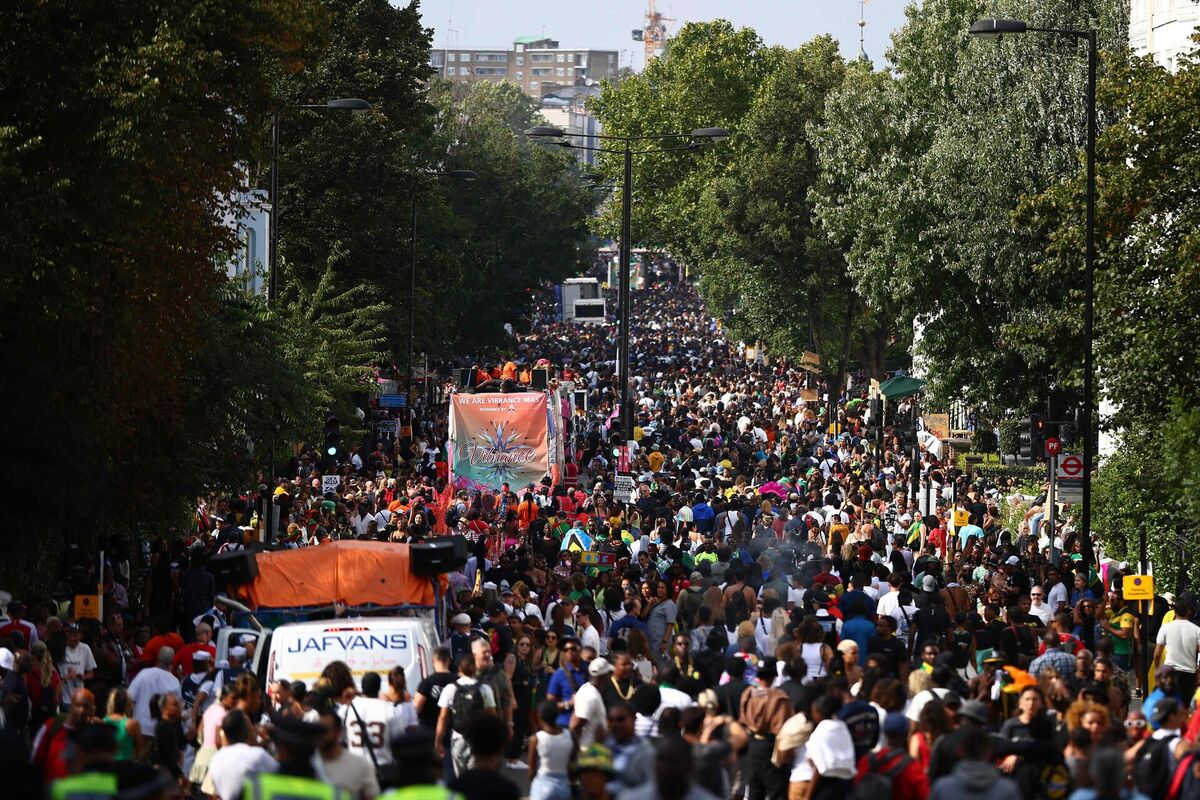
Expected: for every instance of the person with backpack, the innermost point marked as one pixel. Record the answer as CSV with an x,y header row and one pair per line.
x,y
1159,758
891,772
460,702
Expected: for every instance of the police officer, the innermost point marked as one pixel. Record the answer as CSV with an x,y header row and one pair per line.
x,y
418,768
95,747
295,743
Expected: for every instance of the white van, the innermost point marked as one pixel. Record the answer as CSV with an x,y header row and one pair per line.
x,y
300,651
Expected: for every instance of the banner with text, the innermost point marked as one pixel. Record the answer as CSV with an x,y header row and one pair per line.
x,y
499,438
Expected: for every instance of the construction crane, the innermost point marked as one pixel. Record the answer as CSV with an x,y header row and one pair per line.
x,y
654,36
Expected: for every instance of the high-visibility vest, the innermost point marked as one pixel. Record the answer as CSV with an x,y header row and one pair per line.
x,y
422,792
269,786
85,786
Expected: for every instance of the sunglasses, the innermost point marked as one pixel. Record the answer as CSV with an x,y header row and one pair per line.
x,y
1135,723
570,648
551,638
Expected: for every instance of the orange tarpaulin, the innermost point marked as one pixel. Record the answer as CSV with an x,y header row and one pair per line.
x,y
350,572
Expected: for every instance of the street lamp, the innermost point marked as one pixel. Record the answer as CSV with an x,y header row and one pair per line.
x,y
990,28
351,104
465,176
696,139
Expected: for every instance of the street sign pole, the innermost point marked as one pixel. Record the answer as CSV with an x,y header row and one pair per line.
x,y
1055,555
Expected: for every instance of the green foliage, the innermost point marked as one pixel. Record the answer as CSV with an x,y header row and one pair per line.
x,y
929,160
741,214
1147,292
1024,476
122,127
972,459
983,440
520,224
1010,437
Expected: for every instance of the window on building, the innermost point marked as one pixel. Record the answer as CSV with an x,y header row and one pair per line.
x,y
560,57
560,72
543,71
533,84
437,59
520,61
494,58
520,74
541,57
520,48
464,70
612,59
491,71
451,56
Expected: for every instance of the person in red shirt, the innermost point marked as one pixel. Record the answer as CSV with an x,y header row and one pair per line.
x,y
51,750
163,637
182,665
17,624
893,764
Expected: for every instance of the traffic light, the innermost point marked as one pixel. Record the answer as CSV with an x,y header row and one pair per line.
x,y
1039,429
333,437
1025,442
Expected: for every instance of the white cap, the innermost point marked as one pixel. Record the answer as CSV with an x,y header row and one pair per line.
x,y
202,655
599,666
1013,561
237,652
460,619
6,658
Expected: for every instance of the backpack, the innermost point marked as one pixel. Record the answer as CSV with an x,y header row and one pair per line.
x,y
1151,770
467,702
1185,785
876,783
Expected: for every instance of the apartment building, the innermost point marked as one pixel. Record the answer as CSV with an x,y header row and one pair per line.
x,y
537,64
1163,29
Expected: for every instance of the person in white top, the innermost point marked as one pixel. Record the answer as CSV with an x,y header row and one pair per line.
x,y
589,714
1038,605
589,636
149,682
454,718
237,760
830,748
345,770
1177,644
77,664
550,751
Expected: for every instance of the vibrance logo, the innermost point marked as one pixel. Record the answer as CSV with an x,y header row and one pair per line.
x,y
500,452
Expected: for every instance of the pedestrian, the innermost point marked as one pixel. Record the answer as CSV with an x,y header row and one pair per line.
x,y
973,776
460,702
348,771
763,712
550,753
150,682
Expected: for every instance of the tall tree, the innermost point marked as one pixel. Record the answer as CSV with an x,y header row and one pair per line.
x,y
962,130
122,127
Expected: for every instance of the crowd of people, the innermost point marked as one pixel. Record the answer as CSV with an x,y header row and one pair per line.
x,y
774,615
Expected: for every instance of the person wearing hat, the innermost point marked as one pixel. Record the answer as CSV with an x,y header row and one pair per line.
x,y
189,685
1164,687
460,638
182,665
93,768
588,715
77,665
593,769
296,743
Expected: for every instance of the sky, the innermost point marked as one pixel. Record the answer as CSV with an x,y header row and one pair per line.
x,y
606,24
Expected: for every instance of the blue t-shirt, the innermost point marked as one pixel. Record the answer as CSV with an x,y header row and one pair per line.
x,y
860,629
564,688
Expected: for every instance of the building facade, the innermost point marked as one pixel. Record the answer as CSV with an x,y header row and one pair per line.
x,y
1163,28
537,64
249,264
